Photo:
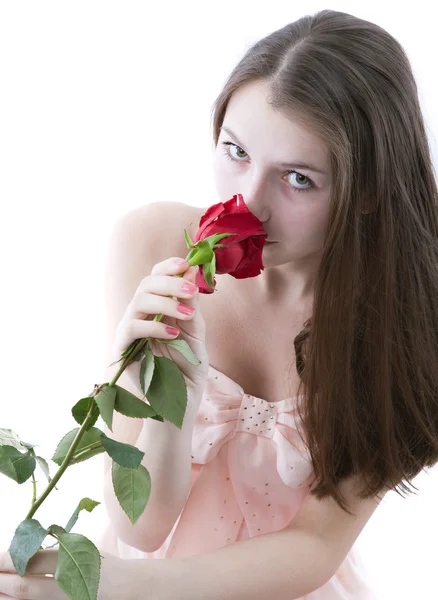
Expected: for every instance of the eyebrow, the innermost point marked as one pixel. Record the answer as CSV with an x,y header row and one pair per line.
x,y
286,165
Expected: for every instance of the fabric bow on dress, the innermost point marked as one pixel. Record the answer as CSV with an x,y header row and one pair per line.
x,y
251,469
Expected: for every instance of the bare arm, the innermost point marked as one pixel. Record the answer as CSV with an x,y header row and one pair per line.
x,y
168,460
280,566
137,242
287,564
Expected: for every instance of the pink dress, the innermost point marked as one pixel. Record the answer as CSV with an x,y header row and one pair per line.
x,y
250,474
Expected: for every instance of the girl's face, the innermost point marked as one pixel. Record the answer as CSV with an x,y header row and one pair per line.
x,y
291,200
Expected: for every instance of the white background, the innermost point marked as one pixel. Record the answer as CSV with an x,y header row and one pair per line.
x,y
105,106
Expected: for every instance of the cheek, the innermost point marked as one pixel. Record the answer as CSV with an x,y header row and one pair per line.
x,y
317,228
308,227
321,219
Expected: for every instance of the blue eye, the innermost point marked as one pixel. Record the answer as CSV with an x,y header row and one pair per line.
x,y
227,154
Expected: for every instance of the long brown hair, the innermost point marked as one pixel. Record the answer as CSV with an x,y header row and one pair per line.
x,y
368,356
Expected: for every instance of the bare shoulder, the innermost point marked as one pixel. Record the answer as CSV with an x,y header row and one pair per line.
x,y
164,223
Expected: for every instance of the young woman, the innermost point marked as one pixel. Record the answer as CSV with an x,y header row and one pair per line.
x,y
335,343
319,128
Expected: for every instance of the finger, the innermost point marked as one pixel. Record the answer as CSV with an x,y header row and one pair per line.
x,y
169,267
41,563
31,587
6,563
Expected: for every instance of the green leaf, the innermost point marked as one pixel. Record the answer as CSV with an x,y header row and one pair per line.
x,y
133,357
84,504
209,273
168,391
147,370
10,438
213,239
137,357
132,488
44,467
158,418
115,362
129,350
123,454
129,405
105,400
200,253
188,240
78,567
28,446
89,445
56,530
80,411
183,347
23,465
213,266
26,542
6,465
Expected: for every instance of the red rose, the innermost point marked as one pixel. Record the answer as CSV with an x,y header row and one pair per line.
x,y
241,255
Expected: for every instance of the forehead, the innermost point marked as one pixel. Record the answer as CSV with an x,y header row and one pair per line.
x,y
259,125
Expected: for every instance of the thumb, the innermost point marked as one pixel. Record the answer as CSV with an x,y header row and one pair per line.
x,y
190,275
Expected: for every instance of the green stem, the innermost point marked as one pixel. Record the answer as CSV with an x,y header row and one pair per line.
x,y
34,493
94,446
135,347
65,463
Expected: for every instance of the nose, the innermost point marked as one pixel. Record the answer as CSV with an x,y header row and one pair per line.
x,y
258,207
256,197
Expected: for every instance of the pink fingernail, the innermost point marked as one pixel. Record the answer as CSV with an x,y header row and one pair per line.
x,y
181,261
172,330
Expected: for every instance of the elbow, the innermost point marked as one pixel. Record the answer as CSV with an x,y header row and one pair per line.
x,y
142,535
132,535
144,543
